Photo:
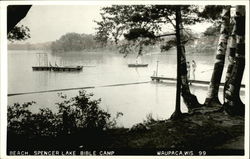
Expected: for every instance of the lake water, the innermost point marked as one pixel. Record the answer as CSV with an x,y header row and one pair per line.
x,y
135,101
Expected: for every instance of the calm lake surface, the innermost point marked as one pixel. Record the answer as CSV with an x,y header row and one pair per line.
x,y
135,101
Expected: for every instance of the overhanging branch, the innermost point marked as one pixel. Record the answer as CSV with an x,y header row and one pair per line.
x,y
171,34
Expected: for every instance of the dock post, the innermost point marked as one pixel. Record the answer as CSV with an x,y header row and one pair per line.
x,y
157,69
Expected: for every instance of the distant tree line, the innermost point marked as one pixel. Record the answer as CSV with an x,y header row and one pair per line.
x,y
67,42
29,46
74,42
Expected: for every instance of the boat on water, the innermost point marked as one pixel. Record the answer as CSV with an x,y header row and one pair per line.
x,y
137,65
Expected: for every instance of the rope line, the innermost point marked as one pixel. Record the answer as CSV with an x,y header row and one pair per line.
x,y
75,88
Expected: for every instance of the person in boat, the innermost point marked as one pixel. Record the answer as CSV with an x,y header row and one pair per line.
x,y
188,71
193,68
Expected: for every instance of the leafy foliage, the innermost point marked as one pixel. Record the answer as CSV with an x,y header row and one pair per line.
x,y
73,42
139,32
212,30
22,121
19,33
84,111
142,24
211,12
73,114
168,45
125,48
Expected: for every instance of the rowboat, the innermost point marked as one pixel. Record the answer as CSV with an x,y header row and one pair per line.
x,y
137,65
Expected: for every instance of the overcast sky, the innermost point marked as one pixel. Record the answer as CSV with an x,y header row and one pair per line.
x,y
48,23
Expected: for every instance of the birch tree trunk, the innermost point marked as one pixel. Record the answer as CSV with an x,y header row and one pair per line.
x,y
212,95
233,104
231,59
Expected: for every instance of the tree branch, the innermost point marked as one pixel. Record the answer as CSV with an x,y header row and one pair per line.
x,y
170,20
166,35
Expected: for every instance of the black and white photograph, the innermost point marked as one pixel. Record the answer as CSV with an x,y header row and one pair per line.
x,y
125,79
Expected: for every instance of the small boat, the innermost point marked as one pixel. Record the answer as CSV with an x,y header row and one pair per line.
x,y
137,65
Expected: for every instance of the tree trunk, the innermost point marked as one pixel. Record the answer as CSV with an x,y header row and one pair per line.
x,y
177,113
231,59
189,99
212,96
233,105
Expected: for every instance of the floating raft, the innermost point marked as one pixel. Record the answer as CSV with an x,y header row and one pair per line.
x,y
156,78
137,65
42,68
59,68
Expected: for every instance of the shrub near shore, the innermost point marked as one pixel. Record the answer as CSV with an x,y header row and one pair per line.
x,y
76,113
80,124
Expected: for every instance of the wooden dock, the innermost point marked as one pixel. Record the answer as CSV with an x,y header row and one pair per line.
x,y
42,68
55,68
77,68
158,79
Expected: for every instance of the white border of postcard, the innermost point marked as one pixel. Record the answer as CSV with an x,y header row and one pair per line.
x,y
4,80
